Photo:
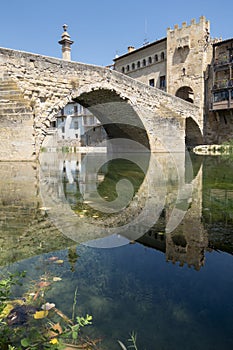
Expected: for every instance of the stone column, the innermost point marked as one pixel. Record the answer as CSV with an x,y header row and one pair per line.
x,y
66,44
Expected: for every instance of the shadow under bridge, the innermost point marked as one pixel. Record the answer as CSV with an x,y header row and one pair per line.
x,y
119,119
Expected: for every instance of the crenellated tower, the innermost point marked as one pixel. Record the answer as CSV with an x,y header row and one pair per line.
x,y
189,52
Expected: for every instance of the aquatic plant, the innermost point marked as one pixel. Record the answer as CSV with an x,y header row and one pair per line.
x,y
6,283
32,323
132,340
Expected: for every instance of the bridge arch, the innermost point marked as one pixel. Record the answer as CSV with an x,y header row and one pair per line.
x,y
193,134
45,85
116,114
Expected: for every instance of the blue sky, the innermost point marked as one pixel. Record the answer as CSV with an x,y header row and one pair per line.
x,y
100,29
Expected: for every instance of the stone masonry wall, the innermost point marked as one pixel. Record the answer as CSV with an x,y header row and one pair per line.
x,y
189,51
16,132
48,84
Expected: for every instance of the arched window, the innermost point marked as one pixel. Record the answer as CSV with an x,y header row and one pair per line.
x,y
162,56
144,62
186,93
133,65
156,58
138,64
123,69
149,60
127,68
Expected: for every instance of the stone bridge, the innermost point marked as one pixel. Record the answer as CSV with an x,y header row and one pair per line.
x,y
33,88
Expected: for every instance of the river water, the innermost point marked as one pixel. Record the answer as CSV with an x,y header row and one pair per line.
x,y
153,257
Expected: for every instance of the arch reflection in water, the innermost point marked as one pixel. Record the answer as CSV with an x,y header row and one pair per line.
x,y
128,212
131,213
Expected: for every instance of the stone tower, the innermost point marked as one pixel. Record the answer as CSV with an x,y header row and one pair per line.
x,y
189,51
66,44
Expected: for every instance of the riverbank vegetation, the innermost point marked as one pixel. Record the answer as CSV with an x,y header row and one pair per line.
x,y
30,322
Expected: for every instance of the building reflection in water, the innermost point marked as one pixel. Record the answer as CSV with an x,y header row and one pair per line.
x,y
26,228
208,223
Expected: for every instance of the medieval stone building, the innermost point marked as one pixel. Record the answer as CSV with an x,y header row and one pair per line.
x,y
191,65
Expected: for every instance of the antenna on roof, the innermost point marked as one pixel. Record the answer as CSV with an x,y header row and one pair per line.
x,y
145,41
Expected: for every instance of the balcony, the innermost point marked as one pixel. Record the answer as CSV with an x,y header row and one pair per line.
x,y
222,62
221,105
222,84
222,100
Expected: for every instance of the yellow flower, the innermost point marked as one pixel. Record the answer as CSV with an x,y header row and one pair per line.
x,y
54,341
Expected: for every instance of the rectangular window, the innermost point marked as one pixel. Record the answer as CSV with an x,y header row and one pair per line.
x,y
70,110
89,120
152,82
75,124
221,96
162,82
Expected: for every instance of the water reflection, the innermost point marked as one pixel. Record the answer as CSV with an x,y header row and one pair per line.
x,y
204,203
129,287
25,229
174,191
217,213
119,195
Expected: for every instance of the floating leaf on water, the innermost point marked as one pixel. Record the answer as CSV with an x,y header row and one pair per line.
x,y
57,279
53,258
57,328
43,284
43,278
25,342
60,313
7,309
59,261
40,314
36,295
47,306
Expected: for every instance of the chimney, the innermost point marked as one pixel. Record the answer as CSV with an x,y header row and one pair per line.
x,y
131,48
66,44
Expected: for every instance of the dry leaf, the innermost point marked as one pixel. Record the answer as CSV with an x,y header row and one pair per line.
x,y
56,279
40,314
43,284
59,261
47,306
53,258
